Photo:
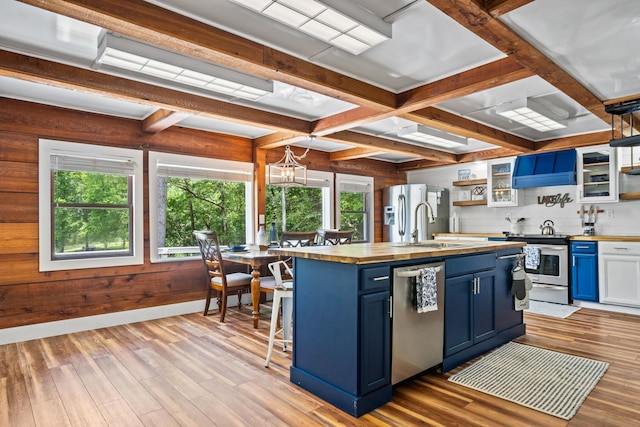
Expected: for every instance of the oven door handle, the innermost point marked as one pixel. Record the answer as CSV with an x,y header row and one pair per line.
x,y
552,287
553,248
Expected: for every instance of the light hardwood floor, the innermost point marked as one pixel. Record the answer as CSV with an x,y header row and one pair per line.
x,y
194,371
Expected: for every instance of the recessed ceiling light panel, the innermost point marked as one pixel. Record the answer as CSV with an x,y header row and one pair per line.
x,y
341,24
135,59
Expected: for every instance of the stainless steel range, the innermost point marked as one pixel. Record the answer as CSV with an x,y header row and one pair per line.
x,y
547,264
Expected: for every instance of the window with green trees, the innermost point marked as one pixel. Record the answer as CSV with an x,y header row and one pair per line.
x,y
90,206
91,213
355,201
193,193
301,208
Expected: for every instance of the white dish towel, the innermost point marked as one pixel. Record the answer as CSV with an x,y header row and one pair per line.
x,y
532,257
427,290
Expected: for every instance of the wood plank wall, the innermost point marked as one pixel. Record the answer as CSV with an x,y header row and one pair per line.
x,y
28,296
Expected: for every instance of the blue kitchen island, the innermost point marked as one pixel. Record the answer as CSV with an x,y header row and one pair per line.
x,y
342,320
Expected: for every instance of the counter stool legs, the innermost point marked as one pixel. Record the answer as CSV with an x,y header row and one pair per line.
x,y
286,298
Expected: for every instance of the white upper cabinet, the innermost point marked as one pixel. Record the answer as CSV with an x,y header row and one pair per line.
x,y
597,174
499,174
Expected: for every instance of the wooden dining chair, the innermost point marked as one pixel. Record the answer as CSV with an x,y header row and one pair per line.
x,y
291,239
224,284
334,237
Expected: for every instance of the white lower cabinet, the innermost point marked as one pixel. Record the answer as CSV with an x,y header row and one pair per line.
x,y
619,273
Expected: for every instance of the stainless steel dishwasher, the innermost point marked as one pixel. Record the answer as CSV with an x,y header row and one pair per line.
x,y
417,339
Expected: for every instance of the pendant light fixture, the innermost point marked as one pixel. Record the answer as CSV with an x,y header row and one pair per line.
x,y
288,171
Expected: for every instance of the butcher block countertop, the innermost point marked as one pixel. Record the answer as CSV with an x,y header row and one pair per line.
x,y
605,238
366,253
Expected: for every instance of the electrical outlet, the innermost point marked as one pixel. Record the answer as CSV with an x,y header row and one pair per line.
x,y
509,216
610,213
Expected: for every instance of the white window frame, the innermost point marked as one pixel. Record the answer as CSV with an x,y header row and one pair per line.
x,y
346,182
46,148
199,165
324,181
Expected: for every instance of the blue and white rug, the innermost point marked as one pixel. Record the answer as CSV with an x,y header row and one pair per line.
x,y
544,380
551,309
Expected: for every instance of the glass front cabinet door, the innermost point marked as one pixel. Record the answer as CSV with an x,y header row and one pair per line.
x,y
597,174
499,184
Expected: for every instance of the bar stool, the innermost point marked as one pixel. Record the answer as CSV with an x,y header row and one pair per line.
x,y
283,293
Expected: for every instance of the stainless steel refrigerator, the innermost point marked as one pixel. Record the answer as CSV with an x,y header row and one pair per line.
x,y
400,203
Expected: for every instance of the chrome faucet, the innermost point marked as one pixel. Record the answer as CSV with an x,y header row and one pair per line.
x,y
431,220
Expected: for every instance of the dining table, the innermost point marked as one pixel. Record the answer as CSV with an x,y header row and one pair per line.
x,y
255,258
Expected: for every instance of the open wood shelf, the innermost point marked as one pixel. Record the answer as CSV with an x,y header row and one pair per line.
x,y
627,196
466,182
626,169
470,202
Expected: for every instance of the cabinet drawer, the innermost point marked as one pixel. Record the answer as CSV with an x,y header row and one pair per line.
x,y
469,264
374,278
584,247
619,248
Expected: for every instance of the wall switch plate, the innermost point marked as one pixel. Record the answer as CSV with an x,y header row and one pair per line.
x,y
610,213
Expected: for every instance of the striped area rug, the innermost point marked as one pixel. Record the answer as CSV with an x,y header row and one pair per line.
x,y
544,380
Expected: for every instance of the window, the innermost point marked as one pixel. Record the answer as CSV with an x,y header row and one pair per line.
x,y
301,208
90,206
355,205
189,193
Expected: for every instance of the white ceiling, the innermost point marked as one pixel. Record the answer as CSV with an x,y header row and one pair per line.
x,y
596,42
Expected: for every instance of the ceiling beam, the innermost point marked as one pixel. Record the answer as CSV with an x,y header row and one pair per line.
x,y
162,119
278,139
471,81
477,79
452,123
55,74
585,140
354,153
390,146
144,21
498,8
479,21
489,154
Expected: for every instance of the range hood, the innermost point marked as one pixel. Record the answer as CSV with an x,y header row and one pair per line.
x,y
545,169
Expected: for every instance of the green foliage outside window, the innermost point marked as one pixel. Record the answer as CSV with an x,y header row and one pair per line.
x,y
193,204
302,208
91,211
353,211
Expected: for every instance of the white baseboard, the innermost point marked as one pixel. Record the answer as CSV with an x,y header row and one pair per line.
x,y
607,307
62,327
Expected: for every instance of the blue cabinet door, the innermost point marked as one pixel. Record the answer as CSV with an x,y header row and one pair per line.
x,y
375,348
458,315
484,324
584,277
584,271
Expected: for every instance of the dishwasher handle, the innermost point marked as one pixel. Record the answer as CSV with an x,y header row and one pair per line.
x,y
414,273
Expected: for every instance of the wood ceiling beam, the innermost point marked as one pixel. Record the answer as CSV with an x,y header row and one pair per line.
x,y
52,73
471,81
489,154
390,146
143,21
498,8
162,119
419,164
354,153
585,140
452,123
473,17
279,139
481,78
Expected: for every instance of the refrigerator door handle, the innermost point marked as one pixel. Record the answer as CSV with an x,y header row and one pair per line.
x,y
402,209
